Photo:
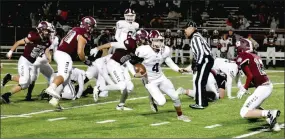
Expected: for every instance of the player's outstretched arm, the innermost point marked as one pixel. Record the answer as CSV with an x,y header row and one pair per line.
x,y
48,54
14,47
169,62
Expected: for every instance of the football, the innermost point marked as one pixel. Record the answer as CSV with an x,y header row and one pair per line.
x,y
140,68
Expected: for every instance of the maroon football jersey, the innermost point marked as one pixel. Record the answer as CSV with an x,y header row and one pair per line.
x,y
35,47
255,65
68,44
122,55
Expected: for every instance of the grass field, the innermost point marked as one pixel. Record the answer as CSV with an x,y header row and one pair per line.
x,y
79,119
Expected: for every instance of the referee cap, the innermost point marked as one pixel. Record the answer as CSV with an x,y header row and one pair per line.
x,y
190,24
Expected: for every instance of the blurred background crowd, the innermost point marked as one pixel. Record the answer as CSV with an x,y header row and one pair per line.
x,y
250,19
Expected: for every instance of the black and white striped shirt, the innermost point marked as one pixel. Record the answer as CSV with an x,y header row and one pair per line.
x,y
200,47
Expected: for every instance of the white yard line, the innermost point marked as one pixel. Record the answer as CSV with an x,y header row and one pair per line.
x,y
213,126
103,103
56,119
106,121
157,124
256,132
22,116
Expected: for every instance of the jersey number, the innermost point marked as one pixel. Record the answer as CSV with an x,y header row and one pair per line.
x,y
260,66
70,35
155,67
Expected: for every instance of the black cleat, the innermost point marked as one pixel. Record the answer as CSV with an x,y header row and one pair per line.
x,y
6,79
6,96
153,106
43,95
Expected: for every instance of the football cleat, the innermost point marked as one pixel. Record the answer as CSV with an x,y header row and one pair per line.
x,y
52,92
153,106
96,93
183,118
5,97
196,106
123,108
6,79
272,117
54,102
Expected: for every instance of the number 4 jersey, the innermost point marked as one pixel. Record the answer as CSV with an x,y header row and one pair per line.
x,y
255,66
68,44
153,60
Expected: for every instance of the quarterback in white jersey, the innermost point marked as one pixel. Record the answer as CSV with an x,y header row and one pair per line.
x,y
153,56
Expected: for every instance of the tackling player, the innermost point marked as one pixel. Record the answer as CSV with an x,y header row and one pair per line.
x,y
74,42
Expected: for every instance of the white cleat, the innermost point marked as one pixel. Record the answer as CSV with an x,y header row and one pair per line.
x,y
123,108
96,92
276,127
54,102
180,90
183,118
273,115
52,92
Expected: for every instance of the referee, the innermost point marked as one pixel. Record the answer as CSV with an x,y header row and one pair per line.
x,y
203,63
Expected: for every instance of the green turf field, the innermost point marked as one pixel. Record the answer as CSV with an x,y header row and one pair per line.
x,y
22,119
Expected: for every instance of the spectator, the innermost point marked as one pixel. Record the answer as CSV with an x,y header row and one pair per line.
x,y
173,14
273,24
33,20
254,43
244,23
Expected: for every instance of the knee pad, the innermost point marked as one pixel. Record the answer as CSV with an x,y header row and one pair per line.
x,y
122,85
24,84
160,102
243,112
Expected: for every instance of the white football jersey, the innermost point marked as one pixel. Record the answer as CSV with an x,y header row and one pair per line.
x,y
122,29
226,66
224,44
153,60
54,44
74,76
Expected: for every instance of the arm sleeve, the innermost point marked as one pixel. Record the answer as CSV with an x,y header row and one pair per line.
x,y
80,82
169,62
118,31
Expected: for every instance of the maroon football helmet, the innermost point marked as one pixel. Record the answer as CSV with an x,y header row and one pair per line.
x,y
89,23
142,37
44,28
130,15
157,41
244,45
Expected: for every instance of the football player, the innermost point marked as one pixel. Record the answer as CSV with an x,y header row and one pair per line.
x,y
224,42
178,43
36,43
232,42
215,44
270,42
253,68
169,40
153,56
74,42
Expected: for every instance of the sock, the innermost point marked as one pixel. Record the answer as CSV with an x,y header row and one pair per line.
x,y
30,89
53,86
124,97
9,94
264,113
86,80
179,113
